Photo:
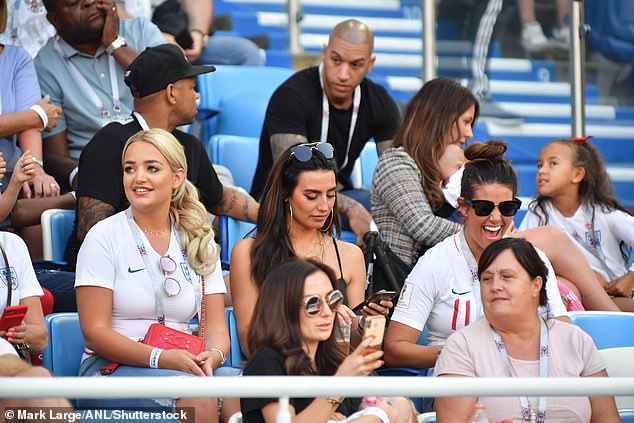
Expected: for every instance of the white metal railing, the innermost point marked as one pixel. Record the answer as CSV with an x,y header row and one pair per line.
x,y
304,386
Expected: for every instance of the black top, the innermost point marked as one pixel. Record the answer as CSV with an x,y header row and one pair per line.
x,y
295,108
268,362
101,174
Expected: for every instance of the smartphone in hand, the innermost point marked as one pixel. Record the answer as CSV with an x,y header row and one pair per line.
x,y
12,316
376,298
374,326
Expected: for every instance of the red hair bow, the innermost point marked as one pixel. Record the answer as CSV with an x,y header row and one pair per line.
x,y
581,140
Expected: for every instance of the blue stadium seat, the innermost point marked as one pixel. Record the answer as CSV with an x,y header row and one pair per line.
x,y
251,84
627,415
608,329
63,352
237,358
238,154
231,231
369,159
57,225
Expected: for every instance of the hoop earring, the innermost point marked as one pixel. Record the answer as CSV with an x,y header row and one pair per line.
x,y
290,208
332,218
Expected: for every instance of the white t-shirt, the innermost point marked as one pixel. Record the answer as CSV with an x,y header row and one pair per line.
x,y
610,229
23,278
109,258
472,352
441,293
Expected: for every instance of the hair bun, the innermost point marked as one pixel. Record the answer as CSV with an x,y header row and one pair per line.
x,y
490,150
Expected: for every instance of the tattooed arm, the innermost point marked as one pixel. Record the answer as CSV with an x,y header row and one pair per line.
x,y
358,216
280,142
238,204
91,211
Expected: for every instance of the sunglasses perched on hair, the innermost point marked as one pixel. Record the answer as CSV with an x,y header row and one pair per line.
x,y
485,207
170,285
304,152
313,304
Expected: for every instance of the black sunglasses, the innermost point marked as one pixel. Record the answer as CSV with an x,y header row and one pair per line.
x,y
485,207
304,152
314,303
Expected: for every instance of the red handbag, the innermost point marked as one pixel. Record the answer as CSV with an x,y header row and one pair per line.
x,y
167,338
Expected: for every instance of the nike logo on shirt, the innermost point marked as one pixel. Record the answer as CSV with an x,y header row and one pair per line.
x,y
453,291
130,270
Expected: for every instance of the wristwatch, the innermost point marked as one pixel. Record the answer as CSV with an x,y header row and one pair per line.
x,y
118,42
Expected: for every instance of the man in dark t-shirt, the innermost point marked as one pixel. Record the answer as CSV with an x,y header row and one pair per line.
x,y
162,82
347,112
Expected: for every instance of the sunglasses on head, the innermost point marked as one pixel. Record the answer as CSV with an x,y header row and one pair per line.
x,y
314,303
170,285
304,152
485,207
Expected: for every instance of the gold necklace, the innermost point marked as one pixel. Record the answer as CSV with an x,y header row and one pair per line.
x,y
153,233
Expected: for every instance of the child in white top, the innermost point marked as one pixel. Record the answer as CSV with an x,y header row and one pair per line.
x,y
575,195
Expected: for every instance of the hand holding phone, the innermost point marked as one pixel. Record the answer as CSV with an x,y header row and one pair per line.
x,y
376,298
374,326
12,316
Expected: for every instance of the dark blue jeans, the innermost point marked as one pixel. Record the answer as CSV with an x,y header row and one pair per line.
x,y
61,284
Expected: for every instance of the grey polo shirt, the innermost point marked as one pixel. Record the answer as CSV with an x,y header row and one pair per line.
x,y
80,116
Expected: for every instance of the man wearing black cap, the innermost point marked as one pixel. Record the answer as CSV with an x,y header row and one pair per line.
x,y
162,82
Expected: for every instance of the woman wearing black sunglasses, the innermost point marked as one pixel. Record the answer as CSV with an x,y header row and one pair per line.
x,y
292,333
298,218
442,291
408,202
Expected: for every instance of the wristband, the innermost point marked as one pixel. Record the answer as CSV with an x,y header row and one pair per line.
x,y
223,357
203,34
154,357
72,175
41,113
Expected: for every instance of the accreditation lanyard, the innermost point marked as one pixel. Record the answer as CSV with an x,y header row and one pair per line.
x,y
14,21
325,114
151,270
473,269
87,88
544,353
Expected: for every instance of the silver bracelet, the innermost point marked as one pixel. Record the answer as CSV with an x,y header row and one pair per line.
x,y
72,175
41,113
154,357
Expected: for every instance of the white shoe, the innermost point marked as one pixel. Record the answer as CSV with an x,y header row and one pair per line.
x,y
561,37
533,38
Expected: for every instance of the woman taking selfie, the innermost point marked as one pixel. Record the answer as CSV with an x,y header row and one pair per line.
x,y
515,341
155,262
298,217
442,291
301,298
411,207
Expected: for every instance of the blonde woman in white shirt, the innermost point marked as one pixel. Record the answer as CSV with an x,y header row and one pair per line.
x,y
148,264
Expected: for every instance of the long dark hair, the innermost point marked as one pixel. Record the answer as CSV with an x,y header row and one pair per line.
x,y
595,188
429,117
275,321
272,245
487,166
525,254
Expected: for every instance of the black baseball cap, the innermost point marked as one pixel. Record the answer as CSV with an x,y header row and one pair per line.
x,y
157,67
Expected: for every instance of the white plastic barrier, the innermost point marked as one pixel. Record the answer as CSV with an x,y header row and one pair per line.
x,y
305,386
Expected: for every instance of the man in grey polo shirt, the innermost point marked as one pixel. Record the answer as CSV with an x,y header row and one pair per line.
x,y
82,69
